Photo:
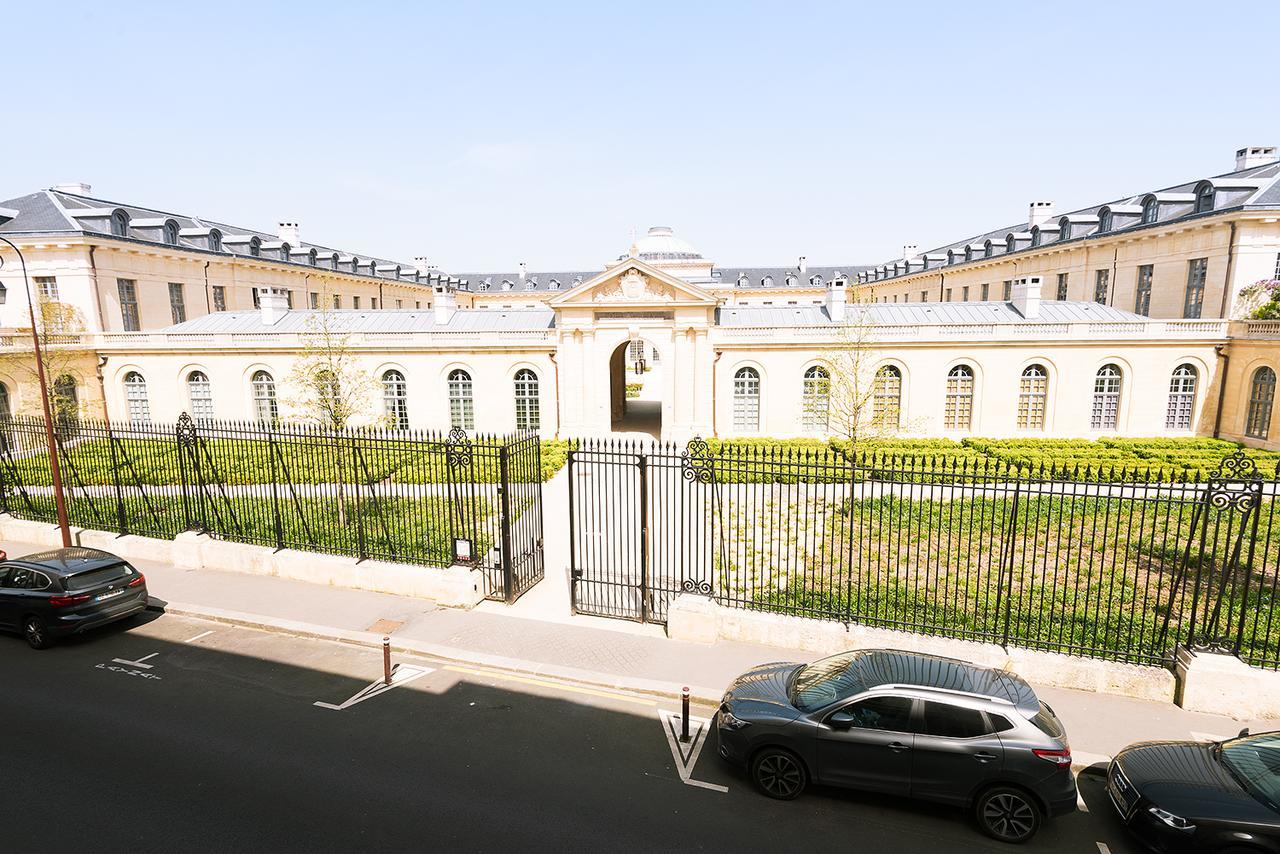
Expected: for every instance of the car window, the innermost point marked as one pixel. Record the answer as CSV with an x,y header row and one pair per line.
x,y
94,577
885,713
948,721
18,578
999,723
37,580
4,575
1047,722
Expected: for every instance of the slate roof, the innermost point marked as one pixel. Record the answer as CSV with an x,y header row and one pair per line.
x,y
926,313
1257,187
54,212
381,320
725,277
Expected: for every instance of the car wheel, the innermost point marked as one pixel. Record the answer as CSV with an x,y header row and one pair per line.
x,y
779,773
1007,814
36,634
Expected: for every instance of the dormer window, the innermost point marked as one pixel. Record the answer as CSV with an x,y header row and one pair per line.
x,y
507,284
285,249
215,240
486,284
766,282
333,261
531,284
554,284
255,247
791,280
171,232
1104,220
988,249
120,223
1010,243
1204,197
968,253
1150,210
312,257
743,280
1064,229
1035,236
816,281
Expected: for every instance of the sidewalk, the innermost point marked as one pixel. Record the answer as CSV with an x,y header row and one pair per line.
x,y
602,652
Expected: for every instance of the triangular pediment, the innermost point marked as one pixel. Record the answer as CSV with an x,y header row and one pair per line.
x,y
631,283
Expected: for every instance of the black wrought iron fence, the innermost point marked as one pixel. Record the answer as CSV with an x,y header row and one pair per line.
x,y
1122,567
405,496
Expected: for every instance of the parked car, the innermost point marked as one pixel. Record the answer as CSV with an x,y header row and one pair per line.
x,y
1189,796
905,724
52,594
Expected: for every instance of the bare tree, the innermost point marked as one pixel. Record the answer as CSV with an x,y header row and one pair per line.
x,y
65,357
328,385
859,406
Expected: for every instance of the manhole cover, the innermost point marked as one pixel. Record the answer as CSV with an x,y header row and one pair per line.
x,y
385,627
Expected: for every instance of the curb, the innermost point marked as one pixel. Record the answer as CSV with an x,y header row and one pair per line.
x,y
595,679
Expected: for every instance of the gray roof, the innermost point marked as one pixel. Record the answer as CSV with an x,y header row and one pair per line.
x,y
756,277
349,320
55,212
925,313
1245,189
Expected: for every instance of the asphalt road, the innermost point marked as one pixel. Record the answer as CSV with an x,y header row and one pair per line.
x,y
212,742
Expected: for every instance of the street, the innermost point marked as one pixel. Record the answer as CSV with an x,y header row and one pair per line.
x,y
169,733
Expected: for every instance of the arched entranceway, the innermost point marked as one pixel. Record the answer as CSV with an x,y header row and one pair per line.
x,y
635,388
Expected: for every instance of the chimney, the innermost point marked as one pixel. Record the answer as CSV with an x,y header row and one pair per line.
x,y
288,232
524,270
910,250
1026,296
1255,155
79,188
804,265
424,266
1038,213
444,302
836,298
273,304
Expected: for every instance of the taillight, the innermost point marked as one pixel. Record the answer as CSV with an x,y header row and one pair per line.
x,y
141,579
1060,758
64,601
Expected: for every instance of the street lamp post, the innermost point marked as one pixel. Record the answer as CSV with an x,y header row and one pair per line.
x,y
54,469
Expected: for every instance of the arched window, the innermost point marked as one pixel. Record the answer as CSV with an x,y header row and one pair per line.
x,y
958,414
1150,210
215,240
886,400
1106,398
265,409
66,400
746,400
312,257
171,233
395,399
5,406
1064,229
255,246
462,412
1104,220
135,395
635,351
817,399
528,416
1182,398
766,282
1262,398
791,280
1035,236
988,249
1033,395
1010,243
200,395
1204,197
743,281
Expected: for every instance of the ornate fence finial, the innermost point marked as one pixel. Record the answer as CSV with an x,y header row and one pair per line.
x,y
697,463
458,449
1236,466
186,431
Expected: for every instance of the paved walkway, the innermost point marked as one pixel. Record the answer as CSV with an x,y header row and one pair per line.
x,y
605,652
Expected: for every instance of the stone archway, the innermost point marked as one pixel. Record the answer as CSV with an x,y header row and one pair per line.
x,y
633,363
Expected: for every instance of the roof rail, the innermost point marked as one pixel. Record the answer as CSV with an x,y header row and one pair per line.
x,y
906,685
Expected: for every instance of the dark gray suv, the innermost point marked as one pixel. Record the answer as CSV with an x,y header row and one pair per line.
x,y
906,724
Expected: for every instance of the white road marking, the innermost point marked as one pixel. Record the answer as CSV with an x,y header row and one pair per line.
x,y
401,674
197,637
1208,736
137,663
1103,849
686,754
1080,802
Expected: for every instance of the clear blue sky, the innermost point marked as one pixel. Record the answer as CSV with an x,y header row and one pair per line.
x,y
487,134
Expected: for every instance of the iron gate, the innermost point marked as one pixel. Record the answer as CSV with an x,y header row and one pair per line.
x,y
642,525
521,555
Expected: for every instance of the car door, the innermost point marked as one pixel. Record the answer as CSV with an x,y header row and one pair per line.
x,y
956,750
8,602
868,745
18,590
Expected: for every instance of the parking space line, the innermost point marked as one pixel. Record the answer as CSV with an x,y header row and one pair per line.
x,y
137,663
197,637
1103,848
546,683
401,674
686,754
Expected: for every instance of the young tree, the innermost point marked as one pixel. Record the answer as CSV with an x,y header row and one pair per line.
x,y
859,397
328,385
65,358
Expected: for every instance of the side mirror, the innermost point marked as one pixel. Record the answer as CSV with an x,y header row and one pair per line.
x,y
1242,733
841,720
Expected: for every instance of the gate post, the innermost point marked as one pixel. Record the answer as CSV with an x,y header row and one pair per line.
x,y
643,463
574,572
275,488
504,494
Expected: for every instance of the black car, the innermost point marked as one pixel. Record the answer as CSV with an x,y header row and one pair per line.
x,y
903,723
60,592
1187,796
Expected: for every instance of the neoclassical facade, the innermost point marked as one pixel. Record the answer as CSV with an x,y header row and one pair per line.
x,y
172,314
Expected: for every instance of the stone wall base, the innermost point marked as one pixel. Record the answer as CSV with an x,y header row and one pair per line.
x,y
456,586
700,619
1224,685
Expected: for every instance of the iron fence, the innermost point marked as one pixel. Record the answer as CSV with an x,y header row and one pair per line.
x,y
1123,566
404,496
